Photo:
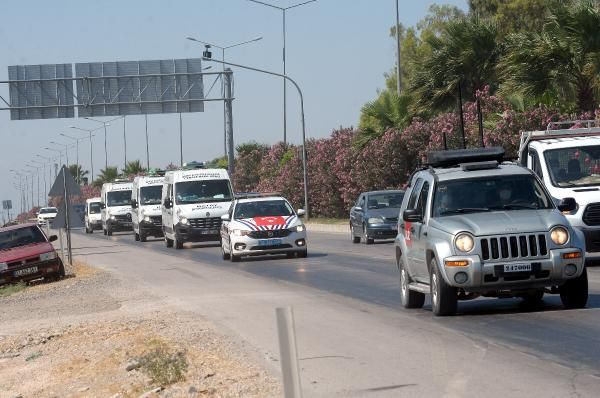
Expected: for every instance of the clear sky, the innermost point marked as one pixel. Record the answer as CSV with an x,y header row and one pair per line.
x,y
337,50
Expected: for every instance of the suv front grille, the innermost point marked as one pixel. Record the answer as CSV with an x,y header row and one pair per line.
x,y
275,233
513,247
206,223
156,220
591,215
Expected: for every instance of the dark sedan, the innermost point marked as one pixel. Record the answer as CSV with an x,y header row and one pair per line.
x,y
375,216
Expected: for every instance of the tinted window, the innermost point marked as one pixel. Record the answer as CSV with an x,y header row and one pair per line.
x,y
574,167
21,237
424,194
516,192
118,198
95,208
202,191
414,193
150,195
385,200
264,208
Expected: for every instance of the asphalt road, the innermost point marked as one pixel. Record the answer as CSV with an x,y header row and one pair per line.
x,y
367,274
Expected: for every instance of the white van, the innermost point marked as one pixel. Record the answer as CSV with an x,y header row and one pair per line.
x,y
93,216
146,214
116,206
193,202
567,160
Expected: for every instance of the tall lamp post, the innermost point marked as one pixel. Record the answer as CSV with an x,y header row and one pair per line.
x,y
23,189
37,170
43,166
56,150
49,160
89,131
66,149
283,12
107,123
78,176
301,115
223,48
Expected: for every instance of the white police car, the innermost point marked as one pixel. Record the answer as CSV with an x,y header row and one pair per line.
x,y
259,224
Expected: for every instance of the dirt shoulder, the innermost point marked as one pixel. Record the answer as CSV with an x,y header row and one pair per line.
x,y
93,335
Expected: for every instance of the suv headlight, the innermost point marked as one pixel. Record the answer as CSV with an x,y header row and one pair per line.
x,y
559,235
464,242
375,220
47,256
298,228
240,232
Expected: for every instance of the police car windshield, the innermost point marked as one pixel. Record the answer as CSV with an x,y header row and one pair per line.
x,y
574,167
21,237
263,208
150,195
511,192
118,198
202,191
94,208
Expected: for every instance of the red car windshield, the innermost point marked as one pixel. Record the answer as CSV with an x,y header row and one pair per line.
x,y
21,237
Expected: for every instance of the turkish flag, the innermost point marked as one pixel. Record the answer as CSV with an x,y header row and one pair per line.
x,y
268,221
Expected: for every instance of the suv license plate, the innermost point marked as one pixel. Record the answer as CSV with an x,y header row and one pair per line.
x,y
517,268
26,271
269,242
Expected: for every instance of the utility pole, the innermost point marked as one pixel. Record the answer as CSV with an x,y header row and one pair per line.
x,y
229,121
398,82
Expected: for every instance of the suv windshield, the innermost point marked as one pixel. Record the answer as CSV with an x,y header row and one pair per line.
x,y
385,200
94,208
516,192
150,195
48,210
574,167
119,198
202,191
263,208
21,237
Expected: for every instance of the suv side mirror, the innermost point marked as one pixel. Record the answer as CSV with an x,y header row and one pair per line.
x,y
300,212
567,205
412,215
225,217
134,204
52,238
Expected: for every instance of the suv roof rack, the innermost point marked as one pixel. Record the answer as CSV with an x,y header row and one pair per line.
x,y
455,157
248,195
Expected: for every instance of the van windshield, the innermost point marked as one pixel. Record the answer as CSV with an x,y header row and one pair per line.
x,y
95,208
47,210
21,237
202,191
118,198
574,167
150,195
511,192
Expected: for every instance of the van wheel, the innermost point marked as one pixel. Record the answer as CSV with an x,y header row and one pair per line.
x,y
136,237
143,237
109,231
177,243
104,231
168,242
574,293
444,300
409,298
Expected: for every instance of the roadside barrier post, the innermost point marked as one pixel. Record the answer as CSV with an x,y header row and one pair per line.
x,y
62,247
288,352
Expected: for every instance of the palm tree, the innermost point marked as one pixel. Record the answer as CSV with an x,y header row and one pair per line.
x,y
133,168
563,60
77,172
387,111
106,175
465,53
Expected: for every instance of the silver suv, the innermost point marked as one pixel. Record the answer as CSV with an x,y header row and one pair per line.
x,y
472,225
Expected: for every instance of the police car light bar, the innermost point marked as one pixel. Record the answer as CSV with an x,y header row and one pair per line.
x,y
454,157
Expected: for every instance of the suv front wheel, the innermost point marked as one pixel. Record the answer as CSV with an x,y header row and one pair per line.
x,y
444,300
574,293
410,298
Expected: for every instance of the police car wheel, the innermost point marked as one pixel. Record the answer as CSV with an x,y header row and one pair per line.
x,y
409,298
168,242
136,237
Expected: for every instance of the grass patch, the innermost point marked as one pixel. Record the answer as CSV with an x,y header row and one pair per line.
x,y
323,220
163,364
7,290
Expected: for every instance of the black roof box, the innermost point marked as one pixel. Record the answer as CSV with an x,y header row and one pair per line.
x,y
454,157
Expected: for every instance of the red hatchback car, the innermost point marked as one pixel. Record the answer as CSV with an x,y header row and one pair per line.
x,y
26,254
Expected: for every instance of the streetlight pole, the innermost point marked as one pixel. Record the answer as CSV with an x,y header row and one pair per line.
x,y
56,150
91,146
107,123
43,165
283,12
78,176
223,48
37,171
49,160
398,81
305,172
66,150
124,144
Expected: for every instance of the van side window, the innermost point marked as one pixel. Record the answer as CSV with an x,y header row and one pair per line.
x,y
414,194
535,165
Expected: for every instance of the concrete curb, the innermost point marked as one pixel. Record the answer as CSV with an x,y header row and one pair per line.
x,y
335,228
